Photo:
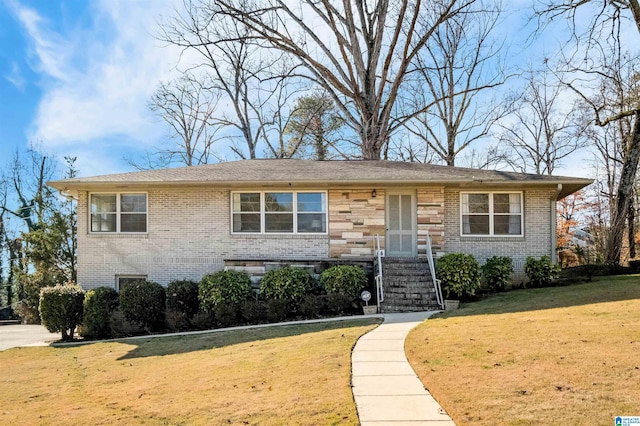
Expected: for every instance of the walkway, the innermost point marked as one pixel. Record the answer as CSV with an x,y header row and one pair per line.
x,y
386,389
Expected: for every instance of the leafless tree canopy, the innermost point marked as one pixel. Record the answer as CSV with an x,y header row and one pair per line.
x,y
597,65
250,86
542,129
188,110
359,52
459,63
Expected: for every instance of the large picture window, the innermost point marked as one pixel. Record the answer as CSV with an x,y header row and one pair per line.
x,y
279,212
491,213
118,212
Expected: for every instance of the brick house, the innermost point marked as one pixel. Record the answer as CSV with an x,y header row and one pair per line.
x,y
182,223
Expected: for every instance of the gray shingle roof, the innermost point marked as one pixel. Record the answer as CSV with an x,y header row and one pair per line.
x,y
293,171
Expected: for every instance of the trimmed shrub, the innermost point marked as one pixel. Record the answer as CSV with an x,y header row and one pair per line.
x,y
459,273
348,280
226,315
497,272
311,305
541,272
182,297
339,304
254,311
289,284
277,309
61,308
144,302
99,304
224,287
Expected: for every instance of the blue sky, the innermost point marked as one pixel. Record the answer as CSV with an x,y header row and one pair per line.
x,y
76,75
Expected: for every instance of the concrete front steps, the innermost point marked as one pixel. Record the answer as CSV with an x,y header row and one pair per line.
x,y
407,285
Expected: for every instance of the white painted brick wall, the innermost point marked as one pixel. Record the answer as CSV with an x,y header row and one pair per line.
x,y
188,237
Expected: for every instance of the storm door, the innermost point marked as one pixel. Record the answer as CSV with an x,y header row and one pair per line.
x,y
400,239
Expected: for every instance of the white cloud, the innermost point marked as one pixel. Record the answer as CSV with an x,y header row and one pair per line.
x,y
15,76
97,78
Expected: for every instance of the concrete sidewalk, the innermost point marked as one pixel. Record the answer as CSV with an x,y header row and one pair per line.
x,y
385,387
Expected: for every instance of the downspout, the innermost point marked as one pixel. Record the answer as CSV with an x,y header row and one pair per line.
x,y
554,223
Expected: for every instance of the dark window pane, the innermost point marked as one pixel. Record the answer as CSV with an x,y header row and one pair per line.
x,y
103,222
507,225
133,203
478,203
312,223
278,222
135,222
501,203
127,281
278,202
246,222
475,225
311,202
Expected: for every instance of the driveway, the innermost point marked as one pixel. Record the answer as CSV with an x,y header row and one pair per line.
x,y
12,336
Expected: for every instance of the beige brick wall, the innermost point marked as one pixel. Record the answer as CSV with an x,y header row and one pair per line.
x,y
188,236
537,238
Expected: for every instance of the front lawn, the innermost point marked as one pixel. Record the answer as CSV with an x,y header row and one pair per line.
x,y
294,374
564,355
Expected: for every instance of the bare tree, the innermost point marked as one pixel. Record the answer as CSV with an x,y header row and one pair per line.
x,y
541,130
456,70
599,55
359,52
251,87
188,109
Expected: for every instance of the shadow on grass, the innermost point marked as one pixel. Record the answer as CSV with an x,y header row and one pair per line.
x,y
171,345
601,290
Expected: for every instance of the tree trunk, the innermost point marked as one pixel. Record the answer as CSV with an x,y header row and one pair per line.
x,y
624,194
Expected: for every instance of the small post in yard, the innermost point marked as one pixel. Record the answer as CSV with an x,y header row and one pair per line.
x,y
368,310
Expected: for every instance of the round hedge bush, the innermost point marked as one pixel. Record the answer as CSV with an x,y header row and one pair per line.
x,y
61,308
290,284
497,272
144,302
99,303
347,280
224,287
182,297
459,273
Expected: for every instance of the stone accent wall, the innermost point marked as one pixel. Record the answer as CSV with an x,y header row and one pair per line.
x,y
430,213
188,236
355,217
536,241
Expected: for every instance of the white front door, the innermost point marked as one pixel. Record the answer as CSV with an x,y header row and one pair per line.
x,y
401,225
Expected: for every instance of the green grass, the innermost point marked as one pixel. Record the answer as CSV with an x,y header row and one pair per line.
x,y
296,374
567,355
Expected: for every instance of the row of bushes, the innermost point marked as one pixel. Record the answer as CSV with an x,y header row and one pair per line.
x,y
223,298
462,276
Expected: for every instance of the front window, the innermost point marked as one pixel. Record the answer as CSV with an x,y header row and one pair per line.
x,y
124,212
492,213
279,212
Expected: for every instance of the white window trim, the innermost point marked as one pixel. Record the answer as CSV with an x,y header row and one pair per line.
x,y
294,212
118,212
491,214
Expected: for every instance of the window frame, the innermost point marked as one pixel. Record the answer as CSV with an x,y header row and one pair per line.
x,y
294,211
492,214
118,212
137,277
